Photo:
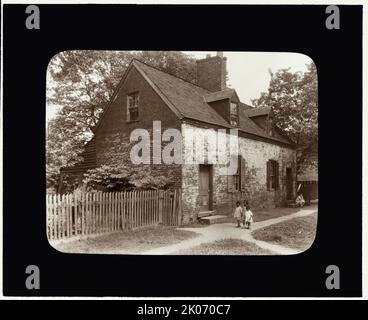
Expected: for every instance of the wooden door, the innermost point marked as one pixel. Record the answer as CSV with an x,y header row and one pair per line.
x,y
205,187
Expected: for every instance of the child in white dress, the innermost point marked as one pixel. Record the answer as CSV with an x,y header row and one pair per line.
x,y
238,213
248,217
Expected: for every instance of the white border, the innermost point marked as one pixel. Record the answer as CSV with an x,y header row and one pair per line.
x,y
365,136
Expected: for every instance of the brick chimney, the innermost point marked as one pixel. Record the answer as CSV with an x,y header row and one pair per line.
x,y
211,72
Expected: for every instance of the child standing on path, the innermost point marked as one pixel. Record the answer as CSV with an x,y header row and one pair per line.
x,y
245,204
248,217
238,213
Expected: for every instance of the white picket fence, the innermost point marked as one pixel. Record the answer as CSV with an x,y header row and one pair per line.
x,y
71,215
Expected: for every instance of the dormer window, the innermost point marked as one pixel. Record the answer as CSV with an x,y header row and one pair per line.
x,y
132,107
234,116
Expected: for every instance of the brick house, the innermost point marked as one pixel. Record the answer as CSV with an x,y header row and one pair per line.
x,y
266,171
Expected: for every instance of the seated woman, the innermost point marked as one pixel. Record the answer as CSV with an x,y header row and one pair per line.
x,y
300,200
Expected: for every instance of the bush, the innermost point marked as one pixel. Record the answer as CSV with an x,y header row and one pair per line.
x,y
121,177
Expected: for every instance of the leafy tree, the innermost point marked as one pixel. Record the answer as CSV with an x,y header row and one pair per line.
x,y
80,85
119,177
82,82
294,101
173,62
59,152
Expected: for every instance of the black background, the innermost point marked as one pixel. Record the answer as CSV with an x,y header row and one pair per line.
x,y
338,57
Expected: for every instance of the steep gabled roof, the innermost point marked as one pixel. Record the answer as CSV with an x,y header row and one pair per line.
x,y
189,101
186,97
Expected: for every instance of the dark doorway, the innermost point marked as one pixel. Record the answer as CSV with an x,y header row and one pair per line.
x,y
289,184
205,187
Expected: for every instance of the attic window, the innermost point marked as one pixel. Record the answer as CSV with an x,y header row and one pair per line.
x,y
132,107
234,116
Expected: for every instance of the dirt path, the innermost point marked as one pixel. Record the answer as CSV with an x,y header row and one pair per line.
x,y
227,230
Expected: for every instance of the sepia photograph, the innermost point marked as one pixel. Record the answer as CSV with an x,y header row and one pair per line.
x,y
177,164
181,152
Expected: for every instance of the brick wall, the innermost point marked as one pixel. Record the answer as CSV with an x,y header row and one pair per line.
x,y
113,135
211,73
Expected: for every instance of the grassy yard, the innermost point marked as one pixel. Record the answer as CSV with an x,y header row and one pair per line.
x,y
225,247
297,233
126,242
266,214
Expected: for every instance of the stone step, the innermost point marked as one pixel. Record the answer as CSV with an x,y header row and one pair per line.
x,y
292,205
206,213
214,219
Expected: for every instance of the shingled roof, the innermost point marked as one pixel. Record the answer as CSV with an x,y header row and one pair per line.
x,y
190,102
255,112
89,159
187,98
220,95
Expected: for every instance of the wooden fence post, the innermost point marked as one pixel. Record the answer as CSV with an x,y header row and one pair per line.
x,y
180,208
122,205
160,206
48,216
